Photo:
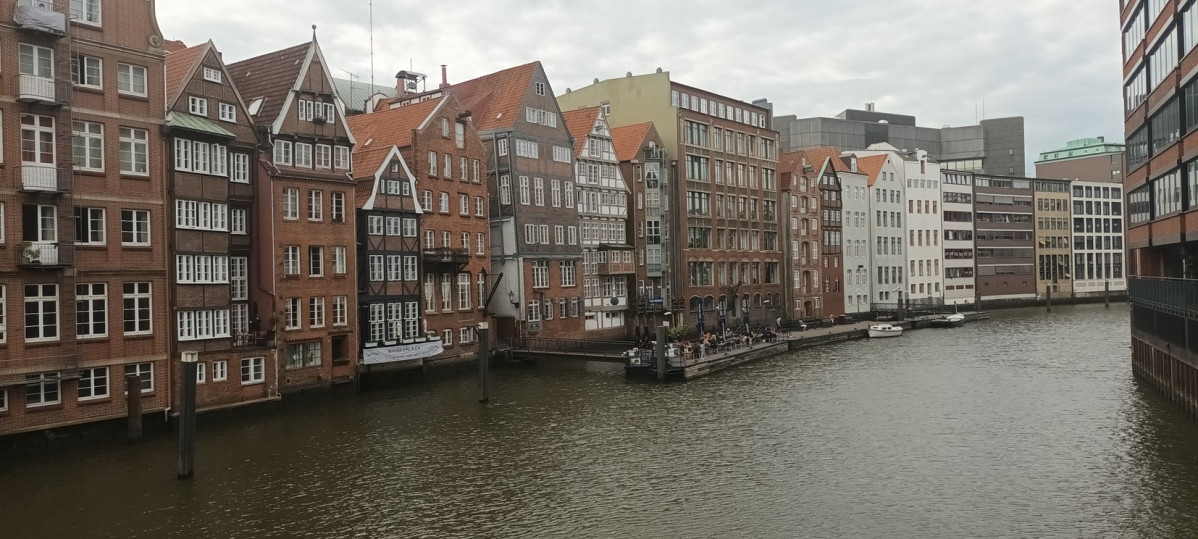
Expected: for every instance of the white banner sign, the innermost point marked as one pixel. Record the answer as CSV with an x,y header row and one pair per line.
x,y
401,352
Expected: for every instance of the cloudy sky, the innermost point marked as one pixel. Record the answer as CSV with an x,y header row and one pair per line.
x,y
1054,62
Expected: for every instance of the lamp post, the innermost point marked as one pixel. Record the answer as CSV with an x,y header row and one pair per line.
x,y
187,415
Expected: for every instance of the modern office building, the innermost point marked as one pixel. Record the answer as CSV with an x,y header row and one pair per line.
x,y
993,146
1099,264
1004,235
1087,159
727,157
1161,186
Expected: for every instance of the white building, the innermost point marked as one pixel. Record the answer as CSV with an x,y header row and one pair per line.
x,y
887,226
1098,238
959,248
855,231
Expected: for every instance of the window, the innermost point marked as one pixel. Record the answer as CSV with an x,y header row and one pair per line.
x,y
316,312
505,190
315,261
85,71
86,11
291,313
324,156
340,308
315,205
540,88
447,170
135,151
568,273
305,354
228,112
303,154
220,371
478,207
443,200
42,389
131,79
555,193
41,312
136,300
37,139
87,145
93,383
91,310
89,226
338,260
145,374
237,221
253,371
3,314
525,148
463,291
539,191
197,105
525,199
36,61
540,274
341,158
291,204
282,152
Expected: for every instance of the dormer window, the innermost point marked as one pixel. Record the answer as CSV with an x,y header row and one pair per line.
x,y
540,87
255,106
212,74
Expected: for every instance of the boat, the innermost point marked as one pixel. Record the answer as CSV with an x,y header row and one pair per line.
x,y
950,321
884,330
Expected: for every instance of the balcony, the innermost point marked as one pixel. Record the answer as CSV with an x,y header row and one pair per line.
x,y
654,269
44,254
38,178
254,340
446,255
612,267
37,89
39,16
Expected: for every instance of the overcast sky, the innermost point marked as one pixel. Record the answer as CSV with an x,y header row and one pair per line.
x,y
1054,62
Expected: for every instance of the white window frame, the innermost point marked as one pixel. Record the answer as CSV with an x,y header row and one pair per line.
x,y
131,79
227,112
253,370
197,105
88,136
134,151
220,370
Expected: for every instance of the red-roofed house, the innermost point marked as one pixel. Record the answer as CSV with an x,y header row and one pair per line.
x,y
607,265
535,250
888,231
801,189
420,174
308,293
210,184
645,165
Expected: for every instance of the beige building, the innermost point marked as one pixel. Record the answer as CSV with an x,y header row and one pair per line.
x,y
1054,241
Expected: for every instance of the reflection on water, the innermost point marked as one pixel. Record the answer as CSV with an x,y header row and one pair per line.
x,y
1025,425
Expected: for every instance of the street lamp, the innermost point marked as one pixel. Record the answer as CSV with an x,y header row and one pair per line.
x,y
187,415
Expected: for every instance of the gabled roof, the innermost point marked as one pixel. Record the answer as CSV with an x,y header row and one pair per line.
x,y
580,122
818,158
180,64
871,166
494,100
380,156
387,128
270,76
628,140
791,162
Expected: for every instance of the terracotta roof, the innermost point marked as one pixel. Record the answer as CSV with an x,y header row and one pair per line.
x,y
628,140
271,75
871,166
179,65
383,129
817,156
579,123
170,45
494,100
366,163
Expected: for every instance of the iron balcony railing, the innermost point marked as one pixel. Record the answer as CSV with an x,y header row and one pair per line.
x,y
254,339
1176,296
44,254
38,89
446,255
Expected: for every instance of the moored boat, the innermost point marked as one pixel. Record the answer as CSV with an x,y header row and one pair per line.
x,y
950,321
884,330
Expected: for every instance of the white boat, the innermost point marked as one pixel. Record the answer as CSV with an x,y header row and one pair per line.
x,y
884,330
950,321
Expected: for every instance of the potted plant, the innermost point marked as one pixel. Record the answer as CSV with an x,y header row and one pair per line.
x,y
31,253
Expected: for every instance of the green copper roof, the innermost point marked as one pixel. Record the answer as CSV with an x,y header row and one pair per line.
x,y
196,123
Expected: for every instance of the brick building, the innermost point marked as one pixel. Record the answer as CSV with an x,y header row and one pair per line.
x,y
801,212
211,147
727,156
645,165
82,210
603,196
425,207
535,243
306,291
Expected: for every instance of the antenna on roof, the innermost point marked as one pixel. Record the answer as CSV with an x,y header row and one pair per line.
x,y
371,46
313,32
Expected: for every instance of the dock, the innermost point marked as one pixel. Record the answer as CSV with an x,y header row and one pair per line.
x,y
688,368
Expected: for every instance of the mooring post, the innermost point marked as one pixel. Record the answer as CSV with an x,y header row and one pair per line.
x,y
187,417
659,351
133,405
1106,293
484,362
1048,298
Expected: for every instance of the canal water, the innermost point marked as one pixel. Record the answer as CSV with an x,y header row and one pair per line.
x,y
1025,425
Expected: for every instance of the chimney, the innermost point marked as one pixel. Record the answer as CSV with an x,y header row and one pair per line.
x,y
444,77
869,107
401,84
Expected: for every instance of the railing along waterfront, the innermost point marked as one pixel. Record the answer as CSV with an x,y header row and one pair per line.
x,y
1175,296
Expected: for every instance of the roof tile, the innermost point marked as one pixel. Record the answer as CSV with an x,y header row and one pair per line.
x,y
579,123
271,76
629,139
